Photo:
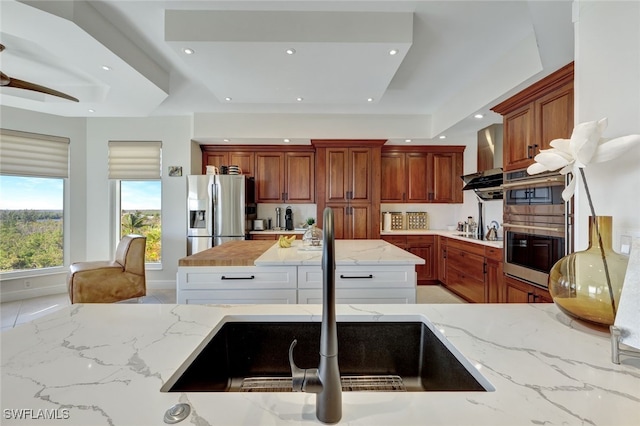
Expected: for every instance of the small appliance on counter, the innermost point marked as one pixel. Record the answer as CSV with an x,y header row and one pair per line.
x,y
288,219
259,225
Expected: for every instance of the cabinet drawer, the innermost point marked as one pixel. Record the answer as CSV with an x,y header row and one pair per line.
x,y
465,246
396,240
238,277
471,264
241,296
360,277
465,285
364,296
420,240
493,253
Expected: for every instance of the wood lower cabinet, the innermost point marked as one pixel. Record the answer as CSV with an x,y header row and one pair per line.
x,y
516,291
441,252
423,246
535,116
472,271
427,174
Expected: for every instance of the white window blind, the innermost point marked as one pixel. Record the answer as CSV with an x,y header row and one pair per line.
x,y
135,160
31,154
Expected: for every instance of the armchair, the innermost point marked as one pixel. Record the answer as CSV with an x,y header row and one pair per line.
x,y
110,281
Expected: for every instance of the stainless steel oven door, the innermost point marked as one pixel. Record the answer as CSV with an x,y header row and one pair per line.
x,y
531,251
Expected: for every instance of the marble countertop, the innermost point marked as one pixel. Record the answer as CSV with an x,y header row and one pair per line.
x,y
449,234
104,364
348,252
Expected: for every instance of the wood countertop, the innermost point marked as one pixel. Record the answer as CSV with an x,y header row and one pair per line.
x,y
232,253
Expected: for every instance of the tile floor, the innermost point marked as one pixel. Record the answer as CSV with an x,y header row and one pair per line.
x,y
21,311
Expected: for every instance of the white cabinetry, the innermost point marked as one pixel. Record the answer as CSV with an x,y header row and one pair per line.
x,y
236,284
360,284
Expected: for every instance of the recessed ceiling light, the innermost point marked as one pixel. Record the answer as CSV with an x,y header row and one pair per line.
x,y
407,140
478,116
443,137
291,51
92,110
225,140
299,99
188,51
369,99
106,67
227,99
393,52
287,140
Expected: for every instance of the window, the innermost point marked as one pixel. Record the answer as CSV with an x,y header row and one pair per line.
x,y
33,172
136,167
140,213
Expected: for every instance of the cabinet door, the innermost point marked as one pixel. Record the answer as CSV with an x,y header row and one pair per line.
x,y
300,177
337,175
416,170
359,181
269,177
397,240
515,291
553,117
245,160
442,260
215,159
518,134
425,272
359,221
494,281
445,183
393,172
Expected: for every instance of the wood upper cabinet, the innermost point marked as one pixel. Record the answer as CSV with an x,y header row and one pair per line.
x,y
349,174
245,160
444,182
424,174
348,181
536,116
285,177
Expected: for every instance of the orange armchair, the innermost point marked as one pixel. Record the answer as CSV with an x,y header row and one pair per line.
x,y
110,281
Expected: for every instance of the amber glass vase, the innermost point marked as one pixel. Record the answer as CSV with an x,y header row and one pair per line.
x,y
578,281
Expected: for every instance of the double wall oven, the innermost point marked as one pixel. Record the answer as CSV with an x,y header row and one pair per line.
x,y
537,225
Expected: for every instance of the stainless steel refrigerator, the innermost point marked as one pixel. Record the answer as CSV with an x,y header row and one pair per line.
x,y
217,209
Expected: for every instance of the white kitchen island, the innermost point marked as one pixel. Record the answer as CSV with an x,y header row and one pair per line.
x,y
104,364
367,271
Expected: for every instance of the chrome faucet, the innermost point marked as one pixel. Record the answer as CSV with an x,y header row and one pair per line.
x,y
324,381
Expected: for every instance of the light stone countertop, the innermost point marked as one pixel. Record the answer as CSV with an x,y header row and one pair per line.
x,y
104,364
449,234
348,252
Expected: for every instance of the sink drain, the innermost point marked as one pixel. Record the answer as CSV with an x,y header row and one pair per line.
x,y
349,384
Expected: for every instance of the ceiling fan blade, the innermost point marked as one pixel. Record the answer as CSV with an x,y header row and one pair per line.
x,y
20,84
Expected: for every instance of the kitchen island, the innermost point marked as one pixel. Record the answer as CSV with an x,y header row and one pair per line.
x,y
104,364
367,271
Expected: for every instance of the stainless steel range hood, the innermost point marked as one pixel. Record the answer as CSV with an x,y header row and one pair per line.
x,y
486,184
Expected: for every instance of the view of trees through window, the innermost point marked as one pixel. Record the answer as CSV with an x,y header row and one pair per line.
x,y
31,223
140,206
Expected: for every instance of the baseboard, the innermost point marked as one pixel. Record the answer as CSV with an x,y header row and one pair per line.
x,y
30,293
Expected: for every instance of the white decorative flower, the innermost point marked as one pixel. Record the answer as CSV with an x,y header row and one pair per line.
x,y
585,146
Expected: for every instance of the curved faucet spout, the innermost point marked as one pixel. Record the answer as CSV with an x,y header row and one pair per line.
x,y
325,380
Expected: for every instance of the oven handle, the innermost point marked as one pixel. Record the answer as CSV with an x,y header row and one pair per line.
x,y
529,182
537,228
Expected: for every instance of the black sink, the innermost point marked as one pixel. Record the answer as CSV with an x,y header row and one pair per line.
x,y
409,351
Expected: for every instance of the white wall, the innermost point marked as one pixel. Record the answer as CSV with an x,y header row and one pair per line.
x,y
76,188
607,84
175,134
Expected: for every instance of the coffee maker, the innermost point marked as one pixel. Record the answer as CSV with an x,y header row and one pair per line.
x,y
288,219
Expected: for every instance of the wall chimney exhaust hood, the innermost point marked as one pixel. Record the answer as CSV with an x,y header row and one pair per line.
x,y
488,180
486,184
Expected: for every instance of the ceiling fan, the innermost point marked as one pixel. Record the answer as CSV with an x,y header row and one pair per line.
x,y
6,81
